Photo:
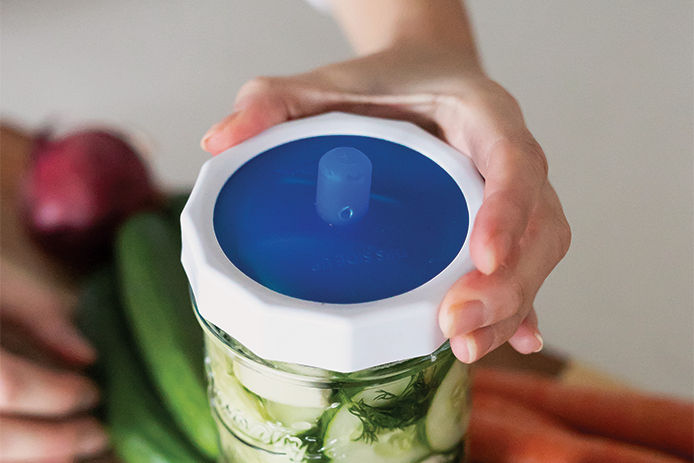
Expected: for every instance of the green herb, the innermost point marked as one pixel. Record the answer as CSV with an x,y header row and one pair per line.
x,y
404,410
313,443
313,438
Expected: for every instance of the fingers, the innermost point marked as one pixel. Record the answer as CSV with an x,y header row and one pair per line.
x,y
42,314
527,338
473,346
486,122
515,173
263,107
266,101
28,389
480,311
53,331
262,103
477,300
34,440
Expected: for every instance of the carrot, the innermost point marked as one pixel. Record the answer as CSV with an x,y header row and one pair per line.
x,y
502,431
662,423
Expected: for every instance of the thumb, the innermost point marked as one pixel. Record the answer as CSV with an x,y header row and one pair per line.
x,y
262,103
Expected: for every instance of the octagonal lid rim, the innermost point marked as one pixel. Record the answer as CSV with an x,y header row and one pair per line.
x,y
197,224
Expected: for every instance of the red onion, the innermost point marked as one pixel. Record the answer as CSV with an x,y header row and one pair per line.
x,y
80,187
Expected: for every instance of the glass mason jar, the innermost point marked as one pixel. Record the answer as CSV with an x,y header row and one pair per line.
x,y
410,411
316,232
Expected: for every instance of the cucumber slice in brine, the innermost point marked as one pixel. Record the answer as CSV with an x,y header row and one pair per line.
x,y
230,396
236,450
270,388
244,415
295,418
343,442
444,424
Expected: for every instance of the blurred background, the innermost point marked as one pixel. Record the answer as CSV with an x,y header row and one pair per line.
x,y
606,88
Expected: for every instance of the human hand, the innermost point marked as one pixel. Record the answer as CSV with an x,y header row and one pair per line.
x,y
520,232
41,407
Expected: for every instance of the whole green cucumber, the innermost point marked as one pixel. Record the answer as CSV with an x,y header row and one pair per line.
x,y
155,294
140,428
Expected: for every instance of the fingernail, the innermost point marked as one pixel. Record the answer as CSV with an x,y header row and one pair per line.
x,y
92,439
90,397
541,342
495,253
487,262
471,348
446,321
216,128
465,348
466,318
210,132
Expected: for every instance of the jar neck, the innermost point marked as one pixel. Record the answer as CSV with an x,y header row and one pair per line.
x,y
318,376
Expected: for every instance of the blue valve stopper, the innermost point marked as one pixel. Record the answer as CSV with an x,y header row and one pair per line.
x,y
343,186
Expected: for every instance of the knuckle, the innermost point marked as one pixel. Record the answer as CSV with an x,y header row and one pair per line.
x,y
507,330
514,204
259,84
515,296
499,93
494,106
536,230
535,154
495,99
564,236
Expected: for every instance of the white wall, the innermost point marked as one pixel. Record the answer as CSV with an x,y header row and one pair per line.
x,y
606,87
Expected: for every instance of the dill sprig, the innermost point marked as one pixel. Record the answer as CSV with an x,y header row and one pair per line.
x,y
404,410
312,438
313,443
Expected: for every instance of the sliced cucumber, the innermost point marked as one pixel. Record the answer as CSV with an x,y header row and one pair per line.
x,y
444,424
244,414
296,418
218,361
266,387
245,410
236,450
343,444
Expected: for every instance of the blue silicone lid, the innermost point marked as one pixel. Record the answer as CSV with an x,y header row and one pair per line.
x,y
341,219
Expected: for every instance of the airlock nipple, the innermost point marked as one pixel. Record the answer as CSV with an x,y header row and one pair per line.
x,y
343,186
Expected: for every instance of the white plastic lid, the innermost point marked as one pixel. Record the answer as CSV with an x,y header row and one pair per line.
x,y
330,241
